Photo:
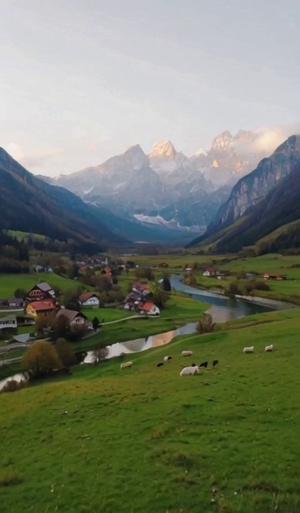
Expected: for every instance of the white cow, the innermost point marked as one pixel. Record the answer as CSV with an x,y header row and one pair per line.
x,y
167,358
124,365
249,349
269,349
189,371
186,353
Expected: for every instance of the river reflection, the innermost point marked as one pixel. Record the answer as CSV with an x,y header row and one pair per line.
x,y
142,344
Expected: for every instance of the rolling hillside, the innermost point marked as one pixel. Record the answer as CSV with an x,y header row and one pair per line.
x,y
31,205
145,439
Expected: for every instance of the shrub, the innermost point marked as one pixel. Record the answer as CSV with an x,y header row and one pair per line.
x,y
261,285
234,288
41,358
206,325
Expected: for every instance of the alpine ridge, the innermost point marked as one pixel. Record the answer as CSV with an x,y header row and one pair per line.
x,y
263,208
166,187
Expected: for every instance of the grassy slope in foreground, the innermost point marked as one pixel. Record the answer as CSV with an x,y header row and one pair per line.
x,y
146,440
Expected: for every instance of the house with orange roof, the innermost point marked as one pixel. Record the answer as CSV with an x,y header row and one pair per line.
x,y
148,308
45,307
89,299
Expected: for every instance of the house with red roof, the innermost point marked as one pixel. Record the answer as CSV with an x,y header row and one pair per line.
x,y
89,299
209,272
148,308
45,307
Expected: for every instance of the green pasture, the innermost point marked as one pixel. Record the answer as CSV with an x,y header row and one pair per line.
x,y
145,439
10,282
270,263
24,236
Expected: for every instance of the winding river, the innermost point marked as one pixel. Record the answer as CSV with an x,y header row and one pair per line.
x,y
222,309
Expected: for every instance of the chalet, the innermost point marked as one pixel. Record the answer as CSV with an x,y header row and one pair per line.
x,y
45,308
149,308
8,323
209,272
40,292
89,299
74,317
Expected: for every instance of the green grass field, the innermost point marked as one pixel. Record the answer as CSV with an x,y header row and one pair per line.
x,y
285,290
144,440
10,282
24,236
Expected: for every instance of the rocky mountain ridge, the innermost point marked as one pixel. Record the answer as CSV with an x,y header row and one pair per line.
x,y
263,208
147,187
254,187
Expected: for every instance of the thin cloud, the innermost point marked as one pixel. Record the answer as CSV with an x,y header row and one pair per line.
x,y
34,160
265,140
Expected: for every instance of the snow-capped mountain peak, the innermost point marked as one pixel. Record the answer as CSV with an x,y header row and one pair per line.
x,y
163,150
201,152
222,141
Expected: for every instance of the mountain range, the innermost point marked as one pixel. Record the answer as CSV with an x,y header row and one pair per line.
x,y
163,197
166,188
263,209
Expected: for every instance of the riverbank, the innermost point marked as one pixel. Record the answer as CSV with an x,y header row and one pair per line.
x,y
267,301
191,437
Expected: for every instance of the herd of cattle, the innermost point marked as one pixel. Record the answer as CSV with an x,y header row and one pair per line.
x,y
193,369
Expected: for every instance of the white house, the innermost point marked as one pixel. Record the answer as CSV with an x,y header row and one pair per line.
x,y
89,299
209,272
8,323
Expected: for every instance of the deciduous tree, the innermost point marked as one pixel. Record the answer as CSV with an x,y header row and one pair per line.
x,y
41,358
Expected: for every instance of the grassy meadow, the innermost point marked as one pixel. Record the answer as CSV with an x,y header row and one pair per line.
x,y
286,290
146,440
10,282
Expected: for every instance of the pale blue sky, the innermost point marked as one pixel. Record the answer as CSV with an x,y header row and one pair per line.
x,y
83,80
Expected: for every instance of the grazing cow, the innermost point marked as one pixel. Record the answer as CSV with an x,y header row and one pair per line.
x,y
249,349
269,349
189,371
203,364
160,364
215,362
124,365
167,358
186,353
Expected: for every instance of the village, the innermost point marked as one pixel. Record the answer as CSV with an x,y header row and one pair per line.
x,y
41,311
